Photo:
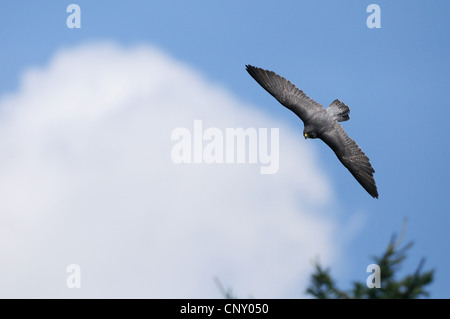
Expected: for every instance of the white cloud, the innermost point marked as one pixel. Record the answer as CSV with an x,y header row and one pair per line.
x,y
87,178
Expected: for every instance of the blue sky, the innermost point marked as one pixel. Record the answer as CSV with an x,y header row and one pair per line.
x,y
395,80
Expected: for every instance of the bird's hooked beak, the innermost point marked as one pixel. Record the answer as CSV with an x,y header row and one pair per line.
x,y
305,135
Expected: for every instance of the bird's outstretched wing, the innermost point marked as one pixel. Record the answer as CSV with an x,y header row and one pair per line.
x,y
352,157
285,92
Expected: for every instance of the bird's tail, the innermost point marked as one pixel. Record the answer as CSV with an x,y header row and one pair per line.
x,y
339,111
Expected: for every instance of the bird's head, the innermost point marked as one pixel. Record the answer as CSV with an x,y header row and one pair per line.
x,y
309,133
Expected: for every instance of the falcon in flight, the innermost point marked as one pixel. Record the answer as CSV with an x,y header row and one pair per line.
x,y
320,123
